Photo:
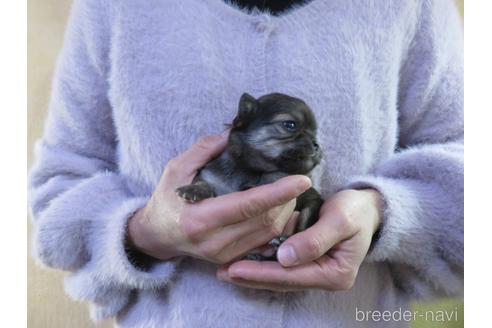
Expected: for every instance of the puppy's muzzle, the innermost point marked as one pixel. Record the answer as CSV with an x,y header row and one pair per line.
x,y
315,151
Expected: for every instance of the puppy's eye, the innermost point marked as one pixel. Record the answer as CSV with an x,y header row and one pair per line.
x,y
289,125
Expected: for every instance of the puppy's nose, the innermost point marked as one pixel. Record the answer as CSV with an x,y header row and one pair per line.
x,y
314,149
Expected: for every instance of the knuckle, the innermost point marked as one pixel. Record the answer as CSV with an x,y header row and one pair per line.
x,y
314,247
223,258
211,252
205,142
172,166
207,253
267,218
191,229
250,210
346,222
276,228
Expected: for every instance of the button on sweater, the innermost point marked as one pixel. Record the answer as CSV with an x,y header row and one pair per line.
x,y
137,82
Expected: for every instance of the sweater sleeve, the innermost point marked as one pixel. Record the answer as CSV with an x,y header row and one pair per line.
x,y
421,236
79,202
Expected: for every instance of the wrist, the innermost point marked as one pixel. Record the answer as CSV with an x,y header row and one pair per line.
x,y
375,208
142,237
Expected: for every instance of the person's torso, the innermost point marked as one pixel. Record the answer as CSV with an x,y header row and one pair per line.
x,y
178,69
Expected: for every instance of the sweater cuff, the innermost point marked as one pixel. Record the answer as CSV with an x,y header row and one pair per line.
x,y
405,202
108,278
110,252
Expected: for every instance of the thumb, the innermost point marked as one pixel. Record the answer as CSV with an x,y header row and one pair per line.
x,y
309,244
203,151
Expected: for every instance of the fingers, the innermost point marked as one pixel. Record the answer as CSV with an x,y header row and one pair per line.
x,y
234,241
271,275
239,206
218,236
291,224
246,236
326,273
315,241
183,168
235,232
243,245
257,285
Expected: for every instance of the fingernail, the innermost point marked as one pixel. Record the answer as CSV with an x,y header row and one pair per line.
x,y
287,255
304,184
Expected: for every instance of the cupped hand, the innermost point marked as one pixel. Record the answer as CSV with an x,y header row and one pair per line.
x,y
217,229
325,256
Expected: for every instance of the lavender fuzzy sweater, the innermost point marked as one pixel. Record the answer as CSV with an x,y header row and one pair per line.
x,y
137,82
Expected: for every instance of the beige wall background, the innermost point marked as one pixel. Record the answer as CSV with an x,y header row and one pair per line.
x,y
47,304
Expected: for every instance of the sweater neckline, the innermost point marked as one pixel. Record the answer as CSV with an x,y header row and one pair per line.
x,y
237,12
248,5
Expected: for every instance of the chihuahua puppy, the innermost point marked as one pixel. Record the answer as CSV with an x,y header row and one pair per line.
x,y
271,137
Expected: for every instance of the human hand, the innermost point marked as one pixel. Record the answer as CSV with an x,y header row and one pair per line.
x,y
326,256
217,229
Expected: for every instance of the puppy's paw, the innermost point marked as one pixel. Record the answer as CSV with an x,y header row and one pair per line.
x,y
308,216
254,257
195,192
277,241
259,257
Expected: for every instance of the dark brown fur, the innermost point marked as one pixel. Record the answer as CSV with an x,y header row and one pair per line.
x,y
271,137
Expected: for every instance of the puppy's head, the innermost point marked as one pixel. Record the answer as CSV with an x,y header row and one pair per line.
x,y
275,132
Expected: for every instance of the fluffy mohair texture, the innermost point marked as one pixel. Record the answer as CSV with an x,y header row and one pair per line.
x,y
137,82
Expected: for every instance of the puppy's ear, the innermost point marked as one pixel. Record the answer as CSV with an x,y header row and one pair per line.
x,y
248,106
